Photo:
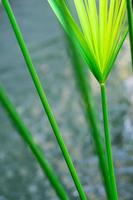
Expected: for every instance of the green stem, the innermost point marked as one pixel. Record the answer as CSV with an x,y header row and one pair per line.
x,y
130,22
108,141
91,117
27,137
44,100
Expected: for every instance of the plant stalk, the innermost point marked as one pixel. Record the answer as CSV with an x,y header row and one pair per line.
x,y
91,117
28,139
130,22
43,99
108,141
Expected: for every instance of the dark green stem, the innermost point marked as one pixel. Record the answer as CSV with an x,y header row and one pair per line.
x,y
108,141
43,99
27,137
87,98
130,22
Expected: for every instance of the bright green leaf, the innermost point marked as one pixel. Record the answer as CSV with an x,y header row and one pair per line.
x,y
101,33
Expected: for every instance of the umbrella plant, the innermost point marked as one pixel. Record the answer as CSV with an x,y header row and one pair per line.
x,y
99,35
101,32
44,100
85,90
33,146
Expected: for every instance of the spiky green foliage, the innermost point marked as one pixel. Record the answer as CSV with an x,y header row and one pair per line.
x,y
101,32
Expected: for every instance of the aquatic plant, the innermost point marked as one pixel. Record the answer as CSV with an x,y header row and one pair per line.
x,y
34,147
101,34
43,98
85,90
99,37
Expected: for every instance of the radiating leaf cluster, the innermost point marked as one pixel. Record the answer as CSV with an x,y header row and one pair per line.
x,y
101,33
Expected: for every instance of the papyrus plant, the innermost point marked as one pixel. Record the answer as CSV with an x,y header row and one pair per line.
x,y
44,100
84,87
35,148
101,32
99,36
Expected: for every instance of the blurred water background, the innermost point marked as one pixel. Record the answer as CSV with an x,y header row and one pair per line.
x,y
20,176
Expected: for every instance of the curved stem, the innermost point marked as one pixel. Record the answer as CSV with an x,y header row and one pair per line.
x,y
43,99
108,141
36,150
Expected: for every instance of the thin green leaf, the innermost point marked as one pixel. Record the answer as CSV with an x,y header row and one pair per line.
x,y
102,32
